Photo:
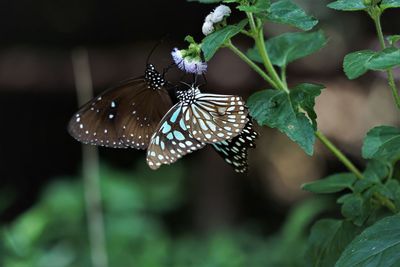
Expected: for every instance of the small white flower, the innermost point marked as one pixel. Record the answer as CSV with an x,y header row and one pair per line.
x,y
209,17
188,64
214,17
219,13
208,27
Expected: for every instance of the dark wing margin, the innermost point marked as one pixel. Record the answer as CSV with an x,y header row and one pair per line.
x,y
234,151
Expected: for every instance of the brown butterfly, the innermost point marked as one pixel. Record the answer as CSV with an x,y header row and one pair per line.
x,y
124,116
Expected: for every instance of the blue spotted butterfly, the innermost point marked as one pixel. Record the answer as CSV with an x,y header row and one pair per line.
x,y
196,120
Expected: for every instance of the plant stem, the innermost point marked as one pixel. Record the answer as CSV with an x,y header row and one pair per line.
x,y
258,35
283,75
389,72
90,162
254,66
346,162
385,202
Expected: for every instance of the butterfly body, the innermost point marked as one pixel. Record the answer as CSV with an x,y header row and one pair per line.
x,y
125,115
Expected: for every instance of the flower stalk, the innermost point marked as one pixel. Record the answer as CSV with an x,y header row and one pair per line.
x,y
252,65
392,84
258,36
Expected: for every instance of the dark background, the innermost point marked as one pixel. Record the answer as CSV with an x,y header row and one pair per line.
x,y
37,98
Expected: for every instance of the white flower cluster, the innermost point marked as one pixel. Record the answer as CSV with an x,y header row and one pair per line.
x,y
214,17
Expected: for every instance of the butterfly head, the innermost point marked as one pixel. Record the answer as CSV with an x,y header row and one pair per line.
x,y
187,97
154,79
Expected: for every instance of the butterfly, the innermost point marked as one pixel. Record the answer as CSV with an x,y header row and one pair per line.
x,y
196,120
234,151
125,115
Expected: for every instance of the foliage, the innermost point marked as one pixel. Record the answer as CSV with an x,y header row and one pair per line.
x,y
378,245
135,231
366,236
133,205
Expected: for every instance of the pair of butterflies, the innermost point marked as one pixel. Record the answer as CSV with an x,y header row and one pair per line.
x,y
139,113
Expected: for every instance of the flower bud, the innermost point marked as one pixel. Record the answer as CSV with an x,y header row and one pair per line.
x,y
214,17
219,13
208,27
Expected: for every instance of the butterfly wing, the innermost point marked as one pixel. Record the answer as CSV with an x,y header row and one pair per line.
x,y
123,116
234,151
172,140
214,118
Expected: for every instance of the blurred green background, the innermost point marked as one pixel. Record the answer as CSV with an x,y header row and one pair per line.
x,y
197,212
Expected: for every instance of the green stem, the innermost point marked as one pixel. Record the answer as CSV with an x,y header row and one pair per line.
x,y
258,35
254,66
384,201
389,72
246,33
90,164
283,75
346,162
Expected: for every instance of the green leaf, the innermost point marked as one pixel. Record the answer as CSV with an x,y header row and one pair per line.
x,y
343,198
354,64
214,41
327,241
361,185
382,142
389,4
304,94
331,184
374,173
289,47
286,12
376,170
393,39
261,7
347,5
291,113
378,245
385,59
355,208
394,187
190,39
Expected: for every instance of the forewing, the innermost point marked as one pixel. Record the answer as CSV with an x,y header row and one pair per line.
x,y
171,141
234,151
123,116
214,118
140,116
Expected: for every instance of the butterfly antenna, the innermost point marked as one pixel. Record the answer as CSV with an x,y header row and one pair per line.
x,y
170,66
194,78
185,83
153,49
204,78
